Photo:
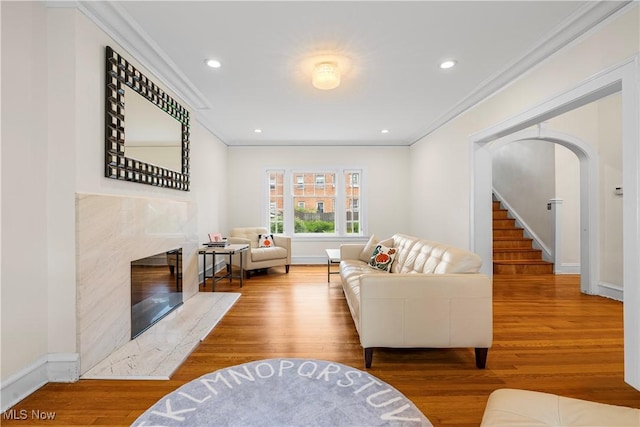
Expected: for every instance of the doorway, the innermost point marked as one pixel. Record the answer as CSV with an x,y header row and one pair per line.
x,y
589,195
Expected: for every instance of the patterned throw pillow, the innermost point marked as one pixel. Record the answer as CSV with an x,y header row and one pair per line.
x,y
265,241
382,258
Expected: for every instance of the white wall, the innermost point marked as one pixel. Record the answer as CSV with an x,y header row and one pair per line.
x,y
385,191
600,124
53,147
24,192
567,188
610,140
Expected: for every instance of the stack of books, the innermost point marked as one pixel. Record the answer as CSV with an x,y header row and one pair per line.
x,y
220,244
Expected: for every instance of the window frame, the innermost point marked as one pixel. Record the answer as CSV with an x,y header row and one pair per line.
x,y
291,182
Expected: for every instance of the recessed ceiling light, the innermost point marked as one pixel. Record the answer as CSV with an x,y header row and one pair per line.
x,y
257,130
213,63
384,131
450,63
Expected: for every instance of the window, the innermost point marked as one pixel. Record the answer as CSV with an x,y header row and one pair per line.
x,y
276,201
315,202
352,202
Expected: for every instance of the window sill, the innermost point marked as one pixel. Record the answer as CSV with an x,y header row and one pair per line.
x,y
329,238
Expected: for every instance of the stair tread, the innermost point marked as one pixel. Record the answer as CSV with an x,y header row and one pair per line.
x,y
511,238
516,250
522,262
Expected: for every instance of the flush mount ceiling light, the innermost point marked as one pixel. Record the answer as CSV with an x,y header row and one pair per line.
x,y
450,63
213,63
326,75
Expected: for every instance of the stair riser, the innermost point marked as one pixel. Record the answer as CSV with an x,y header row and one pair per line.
x,y
506,222
505,244
500,214
522,269
508,232
528,255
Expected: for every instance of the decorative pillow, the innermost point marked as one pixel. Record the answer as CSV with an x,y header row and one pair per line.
x,y
365,255
382,258
265,241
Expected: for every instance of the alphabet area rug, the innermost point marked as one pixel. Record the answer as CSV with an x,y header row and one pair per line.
x,y
285,392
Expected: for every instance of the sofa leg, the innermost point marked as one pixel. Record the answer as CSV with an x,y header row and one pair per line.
x,y
481,357
286,268
368,357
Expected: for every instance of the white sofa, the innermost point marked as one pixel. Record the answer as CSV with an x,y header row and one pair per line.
x,y
512,407
433,297
259,258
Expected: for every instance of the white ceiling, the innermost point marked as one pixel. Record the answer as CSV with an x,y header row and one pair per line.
x,y
394,49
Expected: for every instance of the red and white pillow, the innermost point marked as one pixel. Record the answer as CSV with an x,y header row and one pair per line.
x,y
266,241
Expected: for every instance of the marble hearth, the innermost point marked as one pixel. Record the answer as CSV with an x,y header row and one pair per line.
x,y
111,232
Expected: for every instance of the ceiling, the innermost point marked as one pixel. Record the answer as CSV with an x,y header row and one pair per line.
x,y
393,50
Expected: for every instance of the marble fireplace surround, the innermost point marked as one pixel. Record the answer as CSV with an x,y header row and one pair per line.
x,y
111,231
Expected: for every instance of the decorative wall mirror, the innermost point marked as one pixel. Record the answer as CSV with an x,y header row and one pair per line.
x,y
155,150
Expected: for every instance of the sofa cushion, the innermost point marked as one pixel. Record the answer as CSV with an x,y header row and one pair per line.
x,y
350,272
265,241
263,254
250,233
382,257
429,257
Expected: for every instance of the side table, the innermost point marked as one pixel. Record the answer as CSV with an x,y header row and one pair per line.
x,y
230,250
333,257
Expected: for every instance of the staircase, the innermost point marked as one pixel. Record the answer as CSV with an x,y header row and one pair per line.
x,y
512,252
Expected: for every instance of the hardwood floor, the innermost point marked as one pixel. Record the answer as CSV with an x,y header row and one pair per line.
x,y
547,337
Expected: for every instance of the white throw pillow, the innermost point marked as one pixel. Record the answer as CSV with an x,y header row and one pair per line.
x,y
365,255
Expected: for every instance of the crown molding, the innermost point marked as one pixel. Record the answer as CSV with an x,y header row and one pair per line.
x,y
123,29
579,23
119,25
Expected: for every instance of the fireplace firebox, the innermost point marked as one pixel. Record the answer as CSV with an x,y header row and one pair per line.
x,y
156,289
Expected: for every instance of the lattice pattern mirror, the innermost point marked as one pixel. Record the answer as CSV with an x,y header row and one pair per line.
x,y
145,154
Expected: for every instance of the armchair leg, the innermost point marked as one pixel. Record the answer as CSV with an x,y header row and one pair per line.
x,y
368,357
481,357
286,268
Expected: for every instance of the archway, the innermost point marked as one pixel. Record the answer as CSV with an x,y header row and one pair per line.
x,y
589,200
622,78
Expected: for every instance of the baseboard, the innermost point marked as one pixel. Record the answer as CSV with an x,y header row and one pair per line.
x,y
567,268
63,367
612,291
54,367
218,266
309,260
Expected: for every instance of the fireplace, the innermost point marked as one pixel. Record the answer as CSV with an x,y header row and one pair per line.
x,y
156,289
113,230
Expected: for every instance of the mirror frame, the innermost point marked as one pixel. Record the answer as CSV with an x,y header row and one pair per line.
x,y
120,74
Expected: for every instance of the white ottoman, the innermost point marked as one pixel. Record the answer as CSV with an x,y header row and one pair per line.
x,y
511,407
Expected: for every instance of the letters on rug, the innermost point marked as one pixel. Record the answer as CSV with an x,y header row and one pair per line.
x,y
285,392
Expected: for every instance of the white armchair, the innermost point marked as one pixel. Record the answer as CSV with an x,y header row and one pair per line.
x,y
259,258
